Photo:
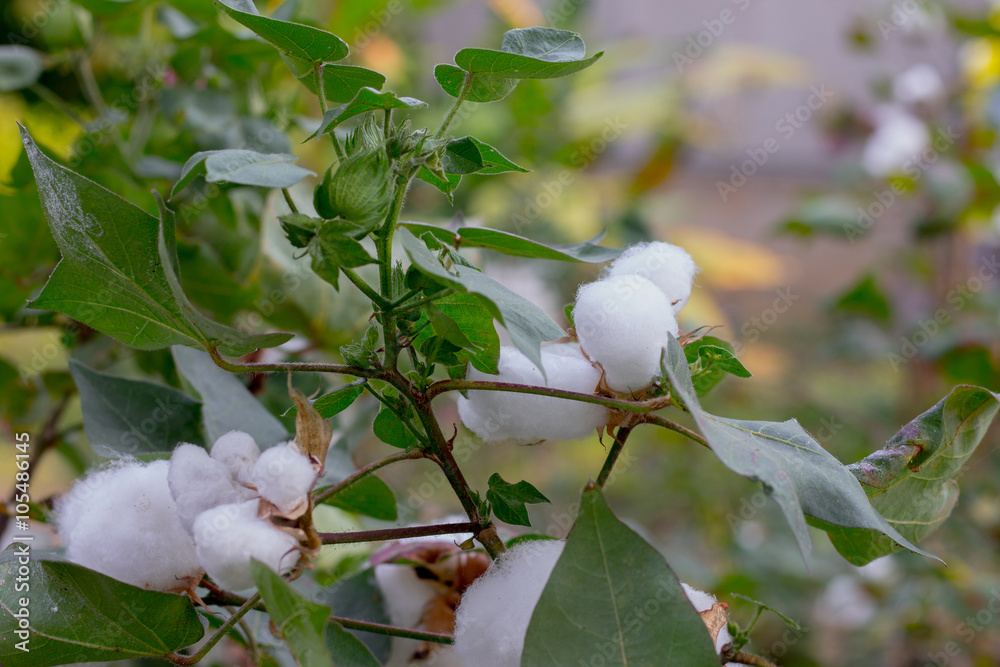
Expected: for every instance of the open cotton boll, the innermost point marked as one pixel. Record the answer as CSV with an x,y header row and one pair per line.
x,y
238,452
406,597
622,323
122,522
283,476
492,618
198,483
704,602
667,266
898,139
228,536
527,418
921,83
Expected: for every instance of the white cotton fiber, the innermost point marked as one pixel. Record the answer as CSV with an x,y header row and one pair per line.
x,y
198,483
493,616
703,601
283,476
622,323
228,536
529,418
898,140
122,522
669,267
238,452
919,84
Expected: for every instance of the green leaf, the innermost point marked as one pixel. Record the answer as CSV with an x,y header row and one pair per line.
x,y
710,359
294,39
227,405
243,167
332,249
340,82
299,622
612,594
865,298
389,429
526,323
20,67
508,500
358,596
348,649
369,496
911,481
300,229
517,246
337,401
366,99
462,156
475,321
447,186
482,88
78,615
134,416
801,476
118,272
494,162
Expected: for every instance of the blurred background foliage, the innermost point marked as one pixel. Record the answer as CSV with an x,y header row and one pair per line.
x,y
853,266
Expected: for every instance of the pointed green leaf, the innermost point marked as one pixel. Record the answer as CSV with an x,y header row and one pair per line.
x,y
340,82
358,596
482,88
347,649
865,298
494,161
294,39
389,429
446,186
366,99
612,595
530,53
134,416
911,481
337,401
710,359
517,246
78,615
801,476
475,321
369,496
508,500
299,622
243,167
462,156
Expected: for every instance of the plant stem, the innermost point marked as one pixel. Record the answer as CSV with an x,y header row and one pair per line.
x,y
657,420
320,87
365,288
219,634
294,366
384,247
288,200
466,87
364,472
392,631
388,534
386,124
617,403
424,301
620,436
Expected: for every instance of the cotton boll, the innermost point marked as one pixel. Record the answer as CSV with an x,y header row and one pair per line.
x,y
283,476
122,522
669,267
701,600
238,452
198,483
406,597
228,536
919,84
622,323
493,616
899,137
528,418
716,620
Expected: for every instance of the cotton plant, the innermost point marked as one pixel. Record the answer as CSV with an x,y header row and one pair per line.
x,y
228,517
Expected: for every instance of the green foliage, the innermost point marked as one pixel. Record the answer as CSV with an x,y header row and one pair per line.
x,y
20,67
516,246
242,167
369,496
508,500
710,360
366,100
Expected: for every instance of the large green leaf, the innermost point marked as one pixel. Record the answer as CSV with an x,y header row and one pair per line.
x,y
367,99
20,67
612,595
134,416
527,324
296,40
475,322
517,246
118,272
369,496
298,621
911,481
481,88
78,615
801,476
341,83
243,167
358,596
227,404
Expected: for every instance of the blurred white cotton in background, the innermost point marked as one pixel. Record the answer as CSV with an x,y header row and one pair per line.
x,y
898,140
919,84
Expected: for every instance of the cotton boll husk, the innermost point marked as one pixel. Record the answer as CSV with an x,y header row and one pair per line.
x,y
122,522
283,476
527,418
198,483
622,323
238,452
228,536
703,602
899,138
493,616
667,266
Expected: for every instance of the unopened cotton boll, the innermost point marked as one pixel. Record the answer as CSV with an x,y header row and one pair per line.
x,y
899,138
622,323
667,266
198,483
228,536
528,418
122,522
283,476
492,619
238,452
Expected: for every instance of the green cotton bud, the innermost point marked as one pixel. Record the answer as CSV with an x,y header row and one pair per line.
x,y
360,190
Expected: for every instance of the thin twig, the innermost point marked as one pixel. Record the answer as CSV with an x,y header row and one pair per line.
x,y
443,386
293,366
217,637
657,420
620,436
364,472
392,630
387,534
288,200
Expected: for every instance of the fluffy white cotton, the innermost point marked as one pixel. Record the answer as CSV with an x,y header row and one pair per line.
x,y
920,83
238,452
228,536
198,483
899,138
703,601
283,476
669,267
122,522
527,418
622,323
492,618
